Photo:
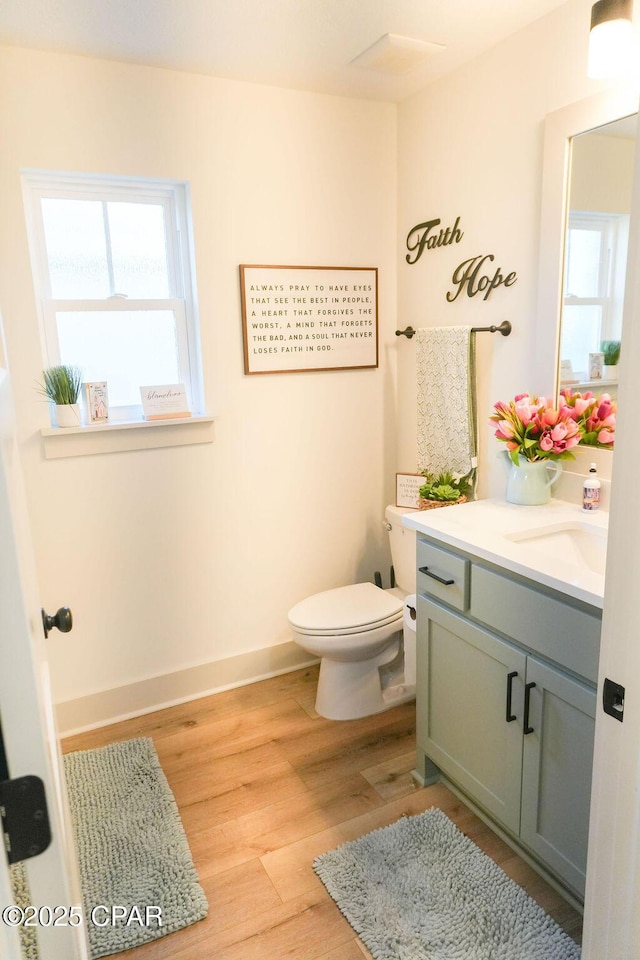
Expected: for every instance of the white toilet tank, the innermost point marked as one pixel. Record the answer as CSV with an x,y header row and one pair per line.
x,y
403,548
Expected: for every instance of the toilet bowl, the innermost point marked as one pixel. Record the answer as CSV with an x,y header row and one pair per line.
x,y
357,632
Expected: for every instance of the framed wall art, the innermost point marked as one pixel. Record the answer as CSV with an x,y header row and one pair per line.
x,y
309,318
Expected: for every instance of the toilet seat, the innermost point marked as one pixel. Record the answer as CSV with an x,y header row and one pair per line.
x,y
354,609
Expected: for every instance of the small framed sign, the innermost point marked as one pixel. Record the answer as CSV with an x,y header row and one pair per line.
x,y
596,366
165,402
408,489
96,400
566,372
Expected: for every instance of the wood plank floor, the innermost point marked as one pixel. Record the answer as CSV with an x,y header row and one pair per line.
x,y
264,785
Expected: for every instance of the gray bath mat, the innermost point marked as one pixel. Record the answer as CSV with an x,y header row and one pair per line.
x,y
131,845
420,890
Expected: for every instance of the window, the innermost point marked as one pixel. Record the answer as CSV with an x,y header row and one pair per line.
x,y
596,252
112,270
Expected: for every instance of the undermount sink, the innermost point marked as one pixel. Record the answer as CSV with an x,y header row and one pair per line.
x,y
570,542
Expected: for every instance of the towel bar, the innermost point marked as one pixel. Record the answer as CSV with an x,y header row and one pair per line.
x,y
504,329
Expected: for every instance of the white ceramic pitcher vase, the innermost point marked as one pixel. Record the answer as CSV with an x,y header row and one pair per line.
x,y
530,482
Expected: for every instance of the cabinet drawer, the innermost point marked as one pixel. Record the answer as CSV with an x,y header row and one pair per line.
x,y
443,575
565,634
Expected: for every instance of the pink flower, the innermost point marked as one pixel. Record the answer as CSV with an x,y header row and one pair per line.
x,y
604,409
524,411
504,431
606,436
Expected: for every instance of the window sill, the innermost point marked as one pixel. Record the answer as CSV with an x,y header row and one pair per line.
x,y
126,435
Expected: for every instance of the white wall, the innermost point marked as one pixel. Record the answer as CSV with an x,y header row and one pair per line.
x,y
602,174
471,146
183,556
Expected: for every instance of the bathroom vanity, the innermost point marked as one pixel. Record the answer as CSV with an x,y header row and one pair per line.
x,y
508,635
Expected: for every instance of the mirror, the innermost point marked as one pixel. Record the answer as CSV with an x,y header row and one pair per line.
x,y
571,136
595,256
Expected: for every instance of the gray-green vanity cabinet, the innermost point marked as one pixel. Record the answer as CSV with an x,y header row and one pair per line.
x,y
506,701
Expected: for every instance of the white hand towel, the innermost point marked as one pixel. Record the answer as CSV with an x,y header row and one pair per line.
x,y
447,428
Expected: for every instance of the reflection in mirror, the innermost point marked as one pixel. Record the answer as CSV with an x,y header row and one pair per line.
x,y
595,256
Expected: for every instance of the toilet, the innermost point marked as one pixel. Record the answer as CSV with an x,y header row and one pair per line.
x,y
364,635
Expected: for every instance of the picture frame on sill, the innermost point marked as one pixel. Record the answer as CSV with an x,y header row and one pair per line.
x,y
408,489
166,401
96,400
596,366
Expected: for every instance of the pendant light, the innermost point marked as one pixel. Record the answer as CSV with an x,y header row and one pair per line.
x,y
610,39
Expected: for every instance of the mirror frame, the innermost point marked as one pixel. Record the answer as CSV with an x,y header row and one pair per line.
x,y
559,129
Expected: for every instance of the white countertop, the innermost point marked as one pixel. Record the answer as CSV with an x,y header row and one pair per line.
x,y
530,541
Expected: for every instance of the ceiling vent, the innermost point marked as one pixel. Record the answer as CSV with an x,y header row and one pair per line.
x,y
393,54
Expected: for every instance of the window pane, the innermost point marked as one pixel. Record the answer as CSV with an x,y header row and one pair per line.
x,y
580,334
583,263
127,349
76,248
139,251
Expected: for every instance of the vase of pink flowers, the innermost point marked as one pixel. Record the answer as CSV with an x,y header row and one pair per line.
x,y
539,434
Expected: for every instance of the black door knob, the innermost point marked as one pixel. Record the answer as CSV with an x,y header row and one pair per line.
x,y
62,620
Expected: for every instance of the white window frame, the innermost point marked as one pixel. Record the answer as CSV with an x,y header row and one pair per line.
x,y
609,225
174,197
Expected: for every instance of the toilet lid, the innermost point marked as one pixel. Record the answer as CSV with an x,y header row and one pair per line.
x,y
346,609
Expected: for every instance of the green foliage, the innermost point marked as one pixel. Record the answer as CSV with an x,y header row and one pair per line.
x,y
61,384
444,486
611,350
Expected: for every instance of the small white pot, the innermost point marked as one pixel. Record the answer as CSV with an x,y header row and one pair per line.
x,y
68,415
610,372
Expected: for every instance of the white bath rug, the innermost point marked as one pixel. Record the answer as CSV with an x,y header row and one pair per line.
x,y
420,890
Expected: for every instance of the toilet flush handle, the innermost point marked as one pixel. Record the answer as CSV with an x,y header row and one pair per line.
x,y
387,526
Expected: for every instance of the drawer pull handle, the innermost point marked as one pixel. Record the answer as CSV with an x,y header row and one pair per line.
x,y
510,678
527,697
434,576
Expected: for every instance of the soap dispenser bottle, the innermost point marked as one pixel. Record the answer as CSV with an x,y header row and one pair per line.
x,y
591,490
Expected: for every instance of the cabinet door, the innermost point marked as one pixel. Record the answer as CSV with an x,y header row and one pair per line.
x,y
463,680
556,776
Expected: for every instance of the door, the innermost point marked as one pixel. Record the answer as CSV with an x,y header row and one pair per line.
x,y
473,681
556,771
26,713
612,902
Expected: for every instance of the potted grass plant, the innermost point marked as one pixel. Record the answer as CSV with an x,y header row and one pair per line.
x,y
61,385
611,351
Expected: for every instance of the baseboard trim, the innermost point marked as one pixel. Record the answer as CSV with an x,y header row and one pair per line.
x,y
156,693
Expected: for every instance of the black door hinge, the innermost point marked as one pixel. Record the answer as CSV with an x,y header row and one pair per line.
x,y
24,816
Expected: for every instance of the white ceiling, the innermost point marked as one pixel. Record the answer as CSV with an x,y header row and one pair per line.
x,y
303,44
